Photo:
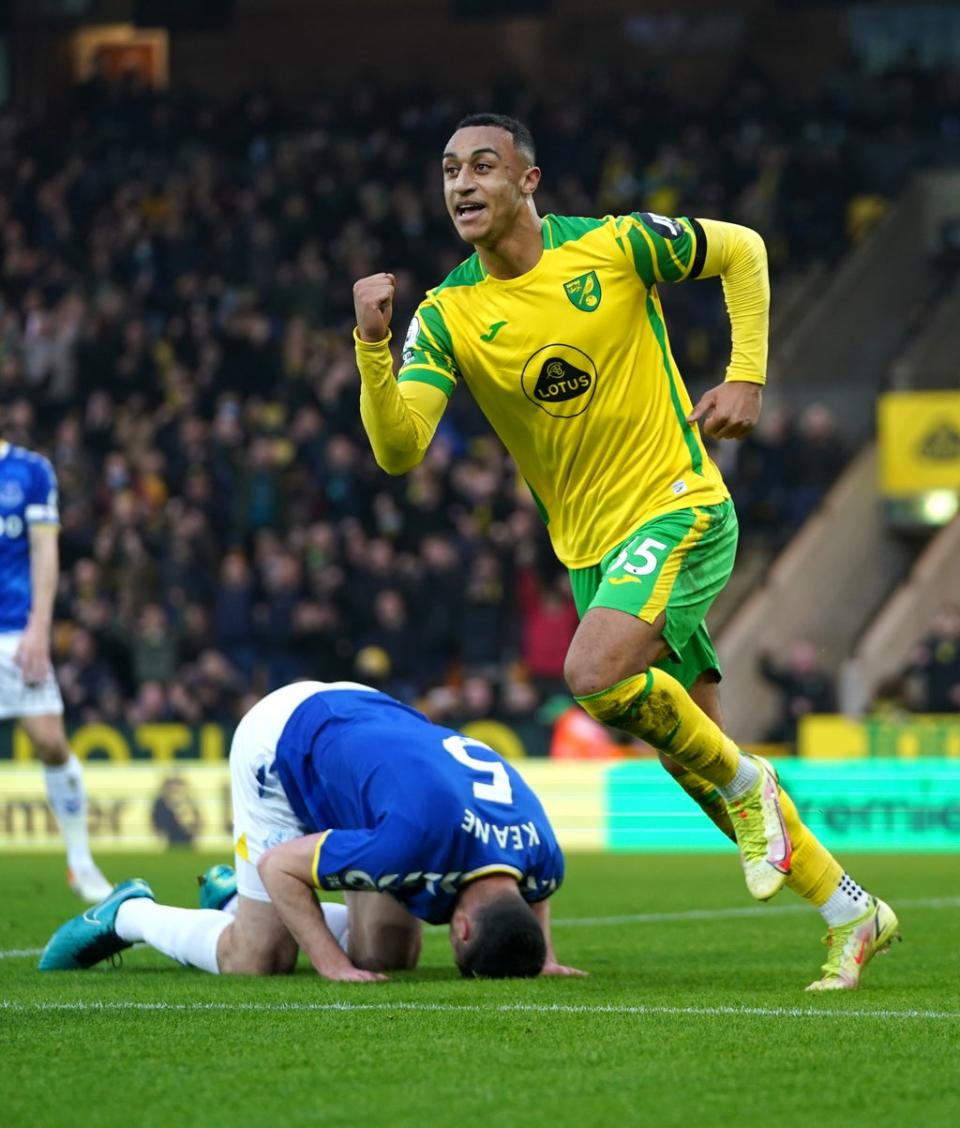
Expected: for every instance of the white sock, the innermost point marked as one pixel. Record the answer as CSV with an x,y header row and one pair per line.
x,y
188,936
747,774
68,800
847,902
338,921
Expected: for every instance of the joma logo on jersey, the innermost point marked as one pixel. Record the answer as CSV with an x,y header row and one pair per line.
x,y
560,379
584,292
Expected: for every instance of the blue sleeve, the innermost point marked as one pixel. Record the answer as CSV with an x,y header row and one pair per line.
x,y
370,859
548,877
41,500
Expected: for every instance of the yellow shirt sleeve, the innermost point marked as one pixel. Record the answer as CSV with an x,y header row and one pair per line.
x,y
400,419
739,256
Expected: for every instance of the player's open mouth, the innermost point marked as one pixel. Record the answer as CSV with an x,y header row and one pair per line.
x,y
464,211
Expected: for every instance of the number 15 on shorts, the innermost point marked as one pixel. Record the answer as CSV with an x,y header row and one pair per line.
x,y
637,560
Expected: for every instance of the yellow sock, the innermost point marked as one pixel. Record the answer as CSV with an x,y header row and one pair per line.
x,y
708,799
655,707
814,872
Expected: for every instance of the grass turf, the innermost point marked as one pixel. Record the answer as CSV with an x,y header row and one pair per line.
x,y
694,1018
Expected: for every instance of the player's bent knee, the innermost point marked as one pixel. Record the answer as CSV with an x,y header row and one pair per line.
x,y
48,739
591,677
242,959
612,704
256,943
386,948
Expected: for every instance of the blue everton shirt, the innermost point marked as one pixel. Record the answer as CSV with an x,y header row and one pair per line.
x,y
410,808
28,496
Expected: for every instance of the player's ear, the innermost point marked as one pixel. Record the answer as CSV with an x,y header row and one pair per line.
x,y
530,180
461,926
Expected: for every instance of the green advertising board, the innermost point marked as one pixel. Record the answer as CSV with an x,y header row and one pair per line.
x,y
863,805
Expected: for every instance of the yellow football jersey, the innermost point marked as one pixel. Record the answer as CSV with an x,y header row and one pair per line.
x,y
572,367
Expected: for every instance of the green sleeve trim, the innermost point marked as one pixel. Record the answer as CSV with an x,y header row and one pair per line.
x,y
562,229
642,259
428,376
670,269
431,319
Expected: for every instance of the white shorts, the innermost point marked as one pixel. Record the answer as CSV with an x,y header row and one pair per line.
x,y
262,815
17,699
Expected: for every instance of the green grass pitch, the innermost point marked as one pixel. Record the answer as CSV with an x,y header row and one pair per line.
x,y
694,1012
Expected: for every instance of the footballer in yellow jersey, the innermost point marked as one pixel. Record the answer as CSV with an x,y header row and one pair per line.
x,y
571,365
555,325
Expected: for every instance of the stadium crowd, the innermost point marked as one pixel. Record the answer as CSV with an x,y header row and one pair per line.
x,y
175,315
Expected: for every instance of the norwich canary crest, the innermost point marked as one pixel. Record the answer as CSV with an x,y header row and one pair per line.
x,y
584,292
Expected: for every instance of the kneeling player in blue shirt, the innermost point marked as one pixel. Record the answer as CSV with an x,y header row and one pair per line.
x,y
338,786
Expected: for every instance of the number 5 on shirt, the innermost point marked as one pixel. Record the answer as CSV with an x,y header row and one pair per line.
x,y
498,790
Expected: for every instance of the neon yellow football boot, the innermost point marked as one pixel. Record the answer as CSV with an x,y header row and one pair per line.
x,y
852,946
765,848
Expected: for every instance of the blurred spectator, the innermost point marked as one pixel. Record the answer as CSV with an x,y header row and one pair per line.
x,y
233,613
391,634
804,688
84,678
154,648
548,619
933,676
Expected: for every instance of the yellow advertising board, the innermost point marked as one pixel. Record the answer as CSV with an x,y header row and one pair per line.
x,y
157,804
919,434
918,736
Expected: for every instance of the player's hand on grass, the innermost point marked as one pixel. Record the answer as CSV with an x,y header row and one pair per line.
x,y
729,411
551,967
33,657
352,974
373,303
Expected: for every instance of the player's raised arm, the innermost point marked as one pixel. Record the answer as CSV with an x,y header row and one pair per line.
x,y
400,418
286,872
738,255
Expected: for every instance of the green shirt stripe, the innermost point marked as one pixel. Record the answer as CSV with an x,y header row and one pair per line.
x,y
541,508
562,229
670,271
660,332
431,319
642,259
468,273
428,376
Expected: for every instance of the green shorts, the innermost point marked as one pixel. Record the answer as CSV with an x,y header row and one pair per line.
x,y
676,564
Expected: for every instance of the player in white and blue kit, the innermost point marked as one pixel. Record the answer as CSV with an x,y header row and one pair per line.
x,y
29,563
338,786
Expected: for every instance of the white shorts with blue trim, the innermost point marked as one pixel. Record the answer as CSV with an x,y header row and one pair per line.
x,y
262,815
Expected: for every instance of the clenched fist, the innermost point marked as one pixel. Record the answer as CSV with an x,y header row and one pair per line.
x,y
373,303
729,411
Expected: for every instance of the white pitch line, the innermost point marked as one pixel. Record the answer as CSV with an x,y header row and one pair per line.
x,y
649,918
502,1008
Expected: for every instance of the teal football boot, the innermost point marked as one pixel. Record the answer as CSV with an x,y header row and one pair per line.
x,y
90,937
217,886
